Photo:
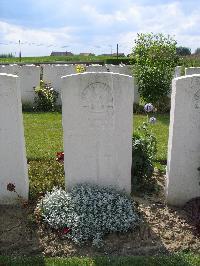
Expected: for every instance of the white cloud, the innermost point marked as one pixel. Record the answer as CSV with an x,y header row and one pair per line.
x,y
103,24
33,41
103,18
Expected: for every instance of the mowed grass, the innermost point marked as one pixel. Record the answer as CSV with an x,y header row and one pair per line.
x,y
44,134
160,130
173,260
44,137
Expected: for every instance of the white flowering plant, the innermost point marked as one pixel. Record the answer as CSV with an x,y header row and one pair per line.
x,y
46,97
88,212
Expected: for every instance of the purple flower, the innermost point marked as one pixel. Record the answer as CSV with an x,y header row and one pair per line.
x,y
148,107
152,120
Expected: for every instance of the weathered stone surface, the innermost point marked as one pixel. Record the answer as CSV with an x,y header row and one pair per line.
x,y
53,73
96,68
183,178
126,70
192,70
13,166
29,79
177,72
97,123
10,69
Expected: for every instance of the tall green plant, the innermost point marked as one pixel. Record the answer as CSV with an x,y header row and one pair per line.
x,y
143,153
155,58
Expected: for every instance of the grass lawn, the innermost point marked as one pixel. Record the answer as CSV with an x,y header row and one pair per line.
x,y
174,260
43,133
160,130
47,59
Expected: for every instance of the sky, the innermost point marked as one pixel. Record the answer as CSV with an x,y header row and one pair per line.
x,y
43,26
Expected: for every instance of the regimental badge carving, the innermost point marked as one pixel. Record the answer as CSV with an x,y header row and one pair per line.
x,y
97,98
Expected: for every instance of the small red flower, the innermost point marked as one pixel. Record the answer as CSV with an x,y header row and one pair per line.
x,y
11,187
60,157
65,230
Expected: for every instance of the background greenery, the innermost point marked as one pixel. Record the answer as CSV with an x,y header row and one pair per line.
x,y
75,58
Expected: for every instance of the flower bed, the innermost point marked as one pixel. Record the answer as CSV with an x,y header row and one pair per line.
x,y
88,212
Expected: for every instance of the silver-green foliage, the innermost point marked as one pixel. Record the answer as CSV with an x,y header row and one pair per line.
x,y
89,211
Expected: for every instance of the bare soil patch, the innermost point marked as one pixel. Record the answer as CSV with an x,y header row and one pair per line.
x,y
162,230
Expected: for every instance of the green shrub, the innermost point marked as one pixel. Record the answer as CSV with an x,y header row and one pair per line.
x,y
115,61
88,212
46,97
143,153
27,107
138,108
155,59
182,51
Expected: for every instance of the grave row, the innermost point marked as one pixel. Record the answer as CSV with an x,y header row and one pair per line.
x,y
29,77
97,124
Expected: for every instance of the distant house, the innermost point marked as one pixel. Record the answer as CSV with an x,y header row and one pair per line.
x,y
61,54
106,54
86,54
119,54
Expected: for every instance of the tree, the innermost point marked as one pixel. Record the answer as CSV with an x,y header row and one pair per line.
x,y
155,59
197,51
183,51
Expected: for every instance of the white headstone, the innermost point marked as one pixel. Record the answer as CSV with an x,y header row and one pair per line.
x,y
183,178
177,72
53,73
96,68
115,68
10,69
126,70
97,121
13,166
29,79
192,70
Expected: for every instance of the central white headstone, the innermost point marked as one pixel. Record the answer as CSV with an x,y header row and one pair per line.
x,y
97,122
13,165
